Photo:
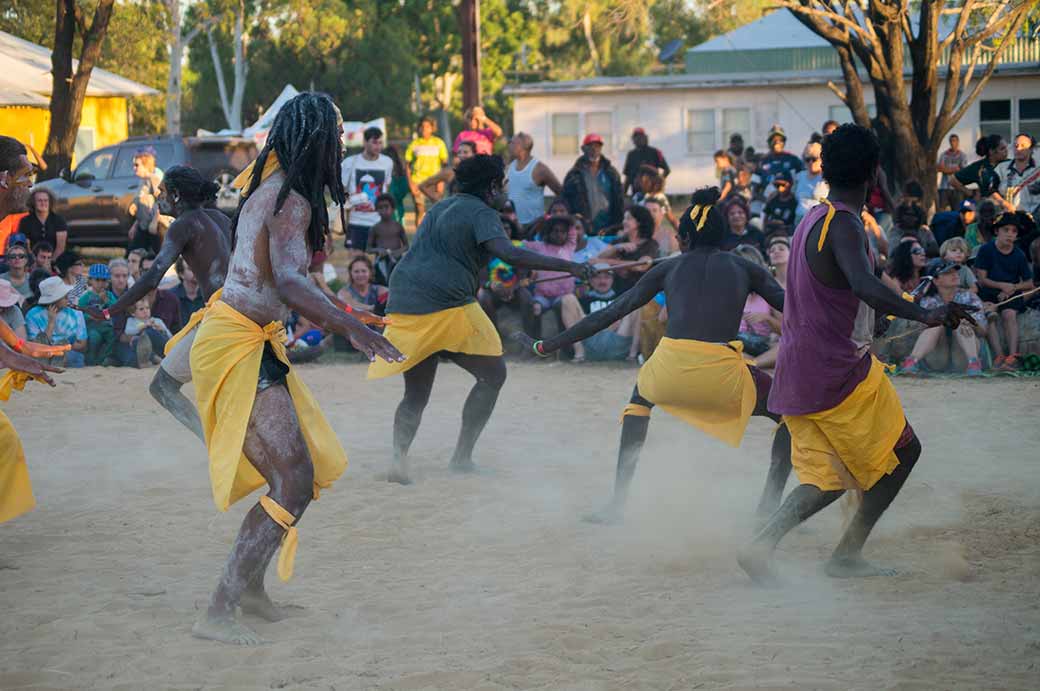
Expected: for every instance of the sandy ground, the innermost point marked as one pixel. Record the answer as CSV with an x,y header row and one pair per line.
x,y
492,582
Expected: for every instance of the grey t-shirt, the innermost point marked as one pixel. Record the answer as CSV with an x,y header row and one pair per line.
x,y
13,316
441,269
22,287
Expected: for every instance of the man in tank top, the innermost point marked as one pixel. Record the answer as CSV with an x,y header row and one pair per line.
x,y
528,177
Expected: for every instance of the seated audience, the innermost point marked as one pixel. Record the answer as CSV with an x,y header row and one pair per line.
x,y
953,224
43,254
136,350
70,268
18,269
760,326
100,334
619,341
10,309
782,207
53,322
359,291
909,220
905,266
141,324
981,231
809,185
635,244
559,239
1004,272
737,215
187,291
956,250
664,235
505,285
944,290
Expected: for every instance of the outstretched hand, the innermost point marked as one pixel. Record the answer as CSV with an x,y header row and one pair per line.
x,y
530,344
374,345
22,363
582,271
951,314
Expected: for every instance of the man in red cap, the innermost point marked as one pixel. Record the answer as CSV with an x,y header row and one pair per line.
x,y
592,186
642,155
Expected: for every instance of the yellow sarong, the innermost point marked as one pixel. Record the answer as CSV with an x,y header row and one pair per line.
x,y
465,329
194,320
707,385
850,446
225,364
16,495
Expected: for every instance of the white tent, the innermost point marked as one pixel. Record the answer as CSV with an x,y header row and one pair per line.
x,y
258,130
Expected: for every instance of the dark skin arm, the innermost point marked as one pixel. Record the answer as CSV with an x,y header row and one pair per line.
x,y
503,249
176,238
850,265
21,363
640,294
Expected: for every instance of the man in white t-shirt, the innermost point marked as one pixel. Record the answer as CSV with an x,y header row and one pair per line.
x,y
365,176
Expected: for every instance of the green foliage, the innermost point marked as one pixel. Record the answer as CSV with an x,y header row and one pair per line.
x,y
367,54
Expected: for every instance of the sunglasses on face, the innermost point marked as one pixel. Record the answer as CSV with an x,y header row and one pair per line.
x,y
12,257
917,250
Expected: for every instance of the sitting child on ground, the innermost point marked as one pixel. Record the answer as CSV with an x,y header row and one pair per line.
x,y
955,250
142,323
101,336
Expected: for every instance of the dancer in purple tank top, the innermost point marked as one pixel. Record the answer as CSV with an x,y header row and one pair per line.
x,y
846,423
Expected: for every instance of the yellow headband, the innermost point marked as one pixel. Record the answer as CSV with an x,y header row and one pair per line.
x,y
703,211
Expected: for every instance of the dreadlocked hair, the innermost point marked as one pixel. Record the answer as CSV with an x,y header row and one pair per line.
x,y
305,140
701,224
190,185
476,175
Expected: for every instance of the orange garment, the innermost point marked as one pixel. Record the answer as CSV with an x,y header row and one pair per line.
x,y
8,227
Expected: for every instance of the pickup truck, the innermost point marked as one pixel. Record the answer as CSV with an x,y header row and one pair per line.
x,y
95,196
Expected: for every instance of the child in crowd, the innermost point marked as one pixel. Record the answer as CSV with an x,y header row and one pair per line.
x,y
725,172
141,323
101,337
955,250
387,239
782,207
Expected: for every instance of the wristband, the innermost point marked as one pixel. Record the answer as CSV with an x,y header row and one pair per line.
x,y
348,309
538,349
108,317
19,345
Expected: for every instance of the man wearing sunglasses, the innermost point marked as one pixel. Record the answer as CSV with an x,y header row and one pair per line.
x,y
17,273
809,185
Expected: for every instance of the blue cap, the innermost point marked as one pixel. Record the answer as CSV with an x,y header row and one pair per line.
x,y
967,205
18,239
99,271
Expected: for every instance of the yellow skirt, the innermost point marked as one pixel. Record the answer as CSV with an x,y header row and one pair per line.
x,y
194,320
707,385
225,364
850,446
16,495
465,329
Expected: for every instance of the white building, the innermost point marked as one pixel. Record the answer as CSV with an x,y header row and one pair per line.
x,y
773,70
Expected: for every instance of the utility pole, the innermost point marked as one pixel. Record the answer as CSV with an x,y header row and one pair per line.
x,y
469,27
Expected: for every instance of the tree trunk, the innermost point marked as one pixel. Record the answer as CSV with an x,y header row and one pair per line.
x,y
173,80
469,29
68,89
241,69
586,25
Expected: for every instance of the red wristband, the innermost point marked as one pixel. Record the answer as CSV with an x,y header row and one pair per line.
x,y
348,309
19,345
107,315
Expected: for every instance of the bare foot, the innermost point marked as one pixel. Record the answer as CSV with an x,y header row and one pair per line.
x,y
611,514
854,567
756,559
225,630
260,605
399,472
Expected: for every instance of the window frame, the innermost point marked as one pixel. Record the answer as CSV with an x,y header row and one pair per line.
x,y
553,151
690,151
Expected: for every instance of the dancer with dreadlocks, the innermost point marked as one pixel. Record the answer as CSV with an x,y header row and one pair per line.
x,y
16,496
434,311
697,373
848,430
202,236
260,422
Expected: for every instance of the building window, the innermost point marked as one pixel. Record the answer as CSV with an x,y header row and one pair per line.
x,y
603,125
995,118
700,131
1029,116
564,134
736,121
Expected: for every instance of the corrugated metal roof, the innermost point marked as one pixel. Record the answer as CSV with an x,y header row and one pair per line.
x,y
26,66
13,96
779,29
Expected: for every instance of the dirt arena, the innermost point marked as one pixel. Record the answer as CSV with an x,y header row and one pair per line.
x,y
492,581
